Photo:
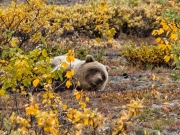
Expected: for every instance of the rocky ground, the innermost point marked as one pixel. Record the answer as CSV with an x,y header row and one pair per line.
x,y
126,78
161,115
161,93
160,88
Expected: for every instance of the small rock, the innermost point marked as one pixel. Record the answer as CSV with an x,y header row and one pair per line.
x,y
122,68
133,78
173,115
154,106
114,67
173,133
123,61
120,41
164,132
3,133
144,78
106,129
153,132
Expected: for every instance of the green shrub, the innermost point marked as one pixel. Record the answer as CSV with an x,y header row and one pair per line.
x,y
19,70
145,54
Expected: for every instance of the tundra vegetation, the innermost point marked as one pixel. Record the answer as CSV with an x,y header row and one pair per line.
x,y
33,32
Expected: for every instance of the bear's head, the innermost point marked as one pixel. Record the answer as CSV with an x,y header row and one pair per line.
x,y
92,75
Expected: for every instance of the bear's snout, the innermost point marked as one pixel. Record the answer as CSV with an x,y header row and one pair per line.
x,y
95,78
99,81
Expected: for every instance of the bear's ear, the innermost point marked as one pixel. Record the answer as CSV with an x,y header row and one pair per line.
x,y
89,58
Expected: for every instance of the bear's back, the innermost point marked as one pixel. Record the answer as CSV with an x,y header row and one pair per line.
x,y
59,59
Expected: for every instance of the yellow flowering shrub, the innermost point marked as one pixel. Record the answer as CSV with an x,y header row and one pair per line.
x,y
28,25
20,70
168,35
145,54
102,19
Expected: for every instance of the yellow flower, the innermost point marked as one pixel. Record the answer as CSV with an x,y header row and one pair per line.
x,y
78,83
64,65
70,58
68,83
64,107
35,82
77,116
70,113
83,105
160,31
12,118
167,58
32,110
134,106
158,40
174,36
154,32
86,121
70,51
70,73
23,122
78,94
48,95
87,99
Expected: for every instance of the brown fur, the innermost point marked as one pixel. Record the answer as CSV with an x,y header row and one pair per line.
x,y
91,74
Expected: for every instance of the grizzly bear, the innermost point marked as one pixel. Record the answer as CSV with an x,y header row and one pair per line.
x,y
91,74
